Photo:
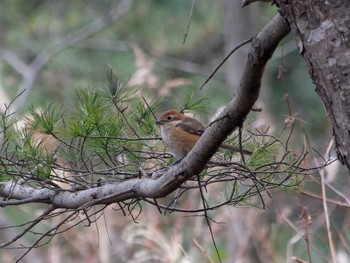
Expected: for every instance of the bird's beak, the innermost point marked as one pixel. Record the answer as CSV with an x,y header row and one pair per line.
x,y
160,122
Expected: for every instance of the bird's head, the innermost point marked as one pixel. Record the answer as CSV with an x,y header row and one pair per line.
x,y
170,116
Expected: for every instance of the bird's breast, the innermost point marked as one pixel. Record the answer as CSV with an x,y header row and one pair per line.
x,y
178,142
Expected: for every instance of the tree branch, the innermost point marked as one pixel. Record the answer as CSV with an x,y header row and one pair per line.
x,y
231,117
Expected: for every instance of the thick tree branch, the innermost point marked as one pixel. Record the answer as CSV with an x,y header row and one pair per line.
x,y
236,111
232,117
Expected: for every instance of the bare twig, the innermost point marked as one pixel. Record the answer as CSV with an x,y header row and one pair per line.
x,y
189,21
35,222
224,60
206,216
204,252
307,220
325,208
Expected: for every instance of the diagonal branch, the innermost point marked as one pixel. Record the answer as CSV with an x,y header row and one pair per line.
x,y
231,117
236,111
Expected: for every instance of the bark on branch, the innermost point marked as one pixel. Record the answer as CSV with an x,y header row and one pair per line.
x,y
232,116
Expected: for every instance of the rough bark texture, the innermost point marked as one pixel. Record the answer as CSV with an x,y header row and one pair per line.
x,y
322,30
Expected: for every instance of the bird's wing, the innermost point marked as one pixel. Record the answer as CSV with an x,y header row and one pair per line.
x,y
195,128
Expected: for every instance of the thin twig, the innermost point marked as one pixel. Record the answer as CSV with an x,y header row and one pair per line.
x,y
240,144
189,22
44,235
202,249
204,202
35,222
325,208
325,205
224,60
306,219
328,200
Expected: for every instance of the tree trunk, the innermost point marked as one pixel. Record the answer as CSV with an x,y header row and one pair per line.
x,y
322,31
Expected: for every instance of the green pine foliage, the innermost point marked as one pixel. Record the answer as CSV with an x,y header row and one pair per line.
x,y
111,133
193,103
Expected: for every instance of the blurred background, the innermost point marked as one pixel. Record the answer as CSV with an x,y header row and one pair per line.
x,y
49,49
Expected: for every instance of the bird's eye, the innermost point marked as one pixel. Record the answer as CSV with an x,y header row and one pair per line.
x,y
169,118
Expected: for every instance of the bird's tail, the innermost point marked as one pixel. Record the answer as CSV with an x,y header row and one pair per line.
x,y
235,149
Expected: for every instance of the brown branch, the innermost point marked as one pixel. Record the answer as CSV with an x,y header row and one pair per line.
x,y
30,226
225,59
231,117
206,216
328,200
248,91
189,21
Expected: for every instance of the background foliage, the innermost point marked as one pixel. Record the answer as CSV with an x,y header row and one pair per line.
x,y
145,44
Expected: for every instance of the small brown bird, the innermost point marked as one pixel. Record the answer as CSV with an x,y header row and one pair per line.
x,y
180,133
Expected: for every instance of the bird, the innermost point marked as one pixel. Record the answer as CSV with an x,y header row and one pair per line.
x,y
180,133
